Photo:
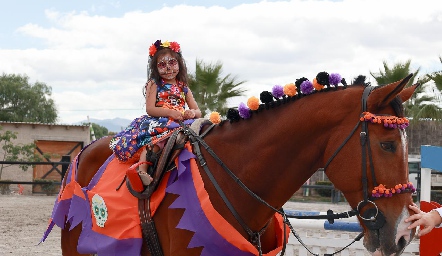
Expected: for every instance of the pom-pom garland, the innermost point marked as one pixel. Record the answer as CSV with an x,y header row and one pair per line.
x,y
278,91
233,115
244,111
290,89
301,87
266,97
335,79
382,191
253,103
215,117
388,121
322,78
307,87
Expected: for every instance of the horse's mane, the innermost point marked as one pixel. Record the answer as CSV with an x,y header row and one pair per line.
x,y
271,100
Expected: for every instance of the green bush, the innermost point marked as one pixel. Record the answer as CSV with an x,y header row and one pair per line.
x,y
49,188
325,192
4,188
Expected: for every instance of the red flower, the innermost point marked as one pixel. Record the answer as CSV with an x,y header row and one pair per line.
x,y
175,46
152,50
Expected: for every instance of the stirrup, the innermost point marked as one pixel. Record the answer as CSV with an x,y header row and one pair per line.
x,y
135,178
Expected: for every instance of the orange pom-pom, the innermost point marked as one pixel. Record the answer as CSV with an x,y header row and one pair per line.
x,y
253,103
316,85
290,89
215,117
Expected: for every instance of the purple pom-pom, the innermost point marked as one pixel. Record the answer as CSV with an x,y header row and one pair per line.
x,y
278,91
307,87
243,110
335,78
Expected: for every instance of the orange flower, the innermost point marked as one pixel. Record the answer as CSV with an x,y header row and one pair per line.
x,y
215,118
253,103
290,89
316,85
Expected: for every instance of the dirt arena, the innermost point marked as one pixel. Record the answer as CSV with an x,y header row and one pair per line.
x,y
24,219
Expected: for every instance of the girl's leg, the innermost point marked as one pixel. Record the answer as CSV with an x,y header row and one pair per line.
x,y
142,169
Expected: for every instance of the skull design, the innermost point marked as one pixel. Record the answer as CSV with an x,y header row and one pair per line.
x,y
100,210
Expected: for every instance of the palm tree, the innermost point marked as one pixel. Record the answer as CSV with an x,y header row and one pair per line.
x,y
436,77
211,91
421,105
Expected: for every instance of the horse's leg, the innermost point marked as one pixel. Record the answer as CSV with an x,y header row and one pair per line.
x,y
69,241
89,162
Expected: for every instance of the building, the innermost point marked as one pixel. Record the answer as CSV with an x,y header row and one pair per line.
x,y
53,141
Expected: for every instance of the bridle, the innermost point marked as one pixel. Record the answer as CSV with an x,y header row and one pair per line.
x,y
373,218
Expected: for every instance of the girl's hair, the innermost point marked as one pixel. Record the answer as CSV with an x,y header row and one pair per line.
x,y
153,69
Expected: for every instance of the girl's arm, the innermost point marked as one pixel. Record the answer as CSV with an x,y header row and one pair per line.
x,y
152,110
193,111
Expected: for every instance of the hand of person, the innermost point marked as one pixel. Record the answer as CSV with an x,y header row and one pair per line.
x,y
427,219
176,115
189,114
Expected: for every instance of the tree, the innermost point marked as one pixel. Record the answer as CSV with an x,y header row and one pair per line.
x,y
436,77
211,91
16,153
421,105
21,101
99,131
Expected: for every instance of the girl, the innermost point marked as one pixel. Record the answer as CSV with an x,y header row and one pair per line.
x,y
166,95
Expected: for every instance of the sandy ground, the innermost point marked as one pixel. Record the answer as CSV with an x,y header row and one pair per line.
x,y
24,219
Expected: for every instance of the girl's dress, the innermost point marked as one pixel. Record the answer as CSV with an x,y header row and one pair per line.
x,y
149,130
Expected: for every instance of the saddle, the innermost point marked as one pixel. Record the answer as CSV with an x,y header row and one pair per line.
x,y
164,163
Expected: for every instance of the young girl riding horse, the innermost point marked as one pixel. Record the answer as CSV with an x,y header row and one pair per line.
x,y
166,94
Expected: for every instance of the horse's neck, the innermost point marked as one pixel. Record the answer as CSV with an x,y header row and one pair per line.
x,y
276,150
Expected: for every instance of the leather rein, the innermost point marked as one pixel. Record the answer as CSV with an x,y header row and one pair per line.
x,y
373,218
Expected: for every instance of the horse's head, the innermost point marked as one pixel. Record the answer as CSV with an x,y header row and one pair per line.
x,y
376,180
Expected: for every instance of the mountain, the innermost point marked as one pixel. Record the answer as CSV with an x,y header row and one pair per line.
x,y
112,125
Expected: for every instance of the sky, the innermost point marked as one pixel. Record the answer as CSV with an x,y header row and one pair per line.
x,y
94,53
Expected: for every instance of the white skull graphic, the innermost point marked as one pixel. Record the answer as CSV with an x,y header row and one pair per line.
x,y
100,210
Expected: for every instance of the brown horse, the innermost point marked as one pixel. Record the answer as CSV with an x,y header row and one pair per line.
x,y
276,150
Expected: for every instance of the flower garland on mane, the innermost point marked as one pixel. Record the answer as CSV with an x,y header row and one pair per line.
x,y
302,87
282,94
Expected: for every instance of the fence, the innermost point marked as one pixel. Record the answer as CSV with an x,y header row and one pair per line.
x,y
65,161
320,242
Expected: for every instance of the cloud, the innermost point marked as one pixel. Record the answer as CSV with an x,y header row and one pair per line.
x,y
99,62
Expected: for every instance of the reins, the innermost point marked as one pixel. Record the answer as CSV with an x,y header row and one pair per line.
x,y
372,217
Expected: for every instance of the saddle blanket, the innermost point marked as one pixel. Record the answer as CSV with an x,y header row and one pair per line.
x,y
110,220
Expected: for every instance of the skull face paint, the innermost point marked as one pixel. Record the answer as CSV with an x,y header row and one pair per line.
x,y
168,67
100,210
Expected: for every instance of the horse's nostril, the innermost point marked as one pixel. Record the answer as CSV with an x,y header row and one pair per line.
x,y
402,243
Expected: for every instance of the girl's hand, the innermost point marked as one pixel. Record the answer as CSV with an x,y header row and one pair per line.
x,y
176,115
427,219
189,114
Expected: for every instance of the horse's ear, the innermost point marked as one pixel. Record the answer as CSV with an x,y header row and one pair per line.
x,y
408,92
382,96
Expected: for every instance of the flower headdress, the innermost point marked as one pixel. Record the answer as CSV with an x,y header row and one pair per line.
x,y
158,45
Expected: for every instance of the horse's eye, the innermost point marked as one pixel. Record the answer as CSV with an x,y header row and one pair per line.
x,y
388,146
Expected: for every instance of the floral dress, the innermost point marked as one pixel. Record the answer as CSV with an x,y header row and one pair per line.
x,y
149,130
